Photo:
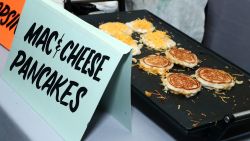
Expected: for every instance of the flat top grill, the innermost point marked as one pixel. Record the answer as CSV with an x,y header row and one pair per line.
x,y
205,109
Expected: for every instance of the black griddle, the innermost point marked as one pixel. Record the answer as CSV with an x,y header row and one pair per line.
x,y
206,116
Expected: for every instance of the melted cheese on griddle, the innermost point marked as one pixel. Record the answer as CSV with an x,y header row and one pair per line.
x,y
113,28
158,40
129,41
141,25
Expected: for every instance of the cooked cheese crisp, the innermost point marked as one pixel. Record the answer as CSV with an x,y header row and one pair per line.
x,y
136,50
115,28
155,64
182,57
158,40
214,78
179,83
141,26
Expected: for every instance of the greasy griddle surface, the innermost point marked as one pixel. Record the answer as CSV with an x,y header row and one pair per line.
x,y
202,110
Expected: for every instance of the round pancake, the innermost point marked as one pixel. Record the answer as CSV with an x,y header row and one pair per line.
x,y
157,40
182,57
155,64
115,28
141,26
215,78
180,83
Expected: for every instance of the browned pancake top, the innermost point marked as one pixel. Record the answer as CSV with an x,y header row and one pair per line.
x,y
156,61
183,81
183,55
215,75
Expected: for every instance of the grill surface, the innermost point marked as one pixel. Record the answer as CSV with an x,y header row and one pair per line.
x,y
197,113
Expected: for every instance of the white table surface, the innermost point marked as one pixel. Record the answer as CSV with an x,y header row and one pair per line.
x,y
18,122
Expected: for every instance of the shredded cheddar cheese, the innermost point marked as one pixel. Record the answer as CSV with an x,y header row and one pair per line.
x,y
141,25
115,28
129,41
158,40
125,39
